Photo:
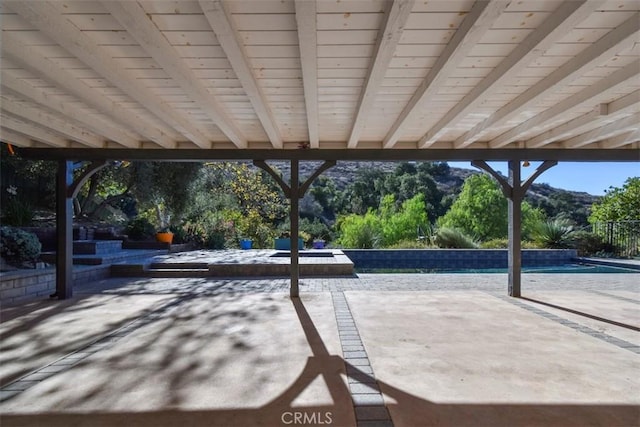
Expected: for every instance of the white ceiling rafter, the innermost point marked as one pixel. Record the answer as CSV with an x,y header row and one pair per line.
x,y
586,121
27,112
591,94
227,36
388,38
476,23
308,41
607,131
613,42
531,48
48,19
15,138
35,62
621,140
133,18
67,109
33,131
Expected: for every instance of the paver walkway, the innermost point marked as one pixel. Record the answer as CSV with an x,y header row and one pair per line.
x,y
373,350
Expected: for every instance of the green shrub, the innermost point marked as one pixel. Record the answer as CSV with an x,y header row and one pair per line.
x,y
452,238
19,247
589,244
553,234
17,213
139,228
410,244
360,232
495,244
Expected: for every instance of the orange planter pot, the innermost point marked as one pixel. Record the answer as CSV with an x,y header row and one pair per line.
x,y
164,237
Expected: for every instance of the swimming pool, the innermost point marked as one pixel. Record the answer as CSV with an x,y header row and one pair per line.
x,y
566,268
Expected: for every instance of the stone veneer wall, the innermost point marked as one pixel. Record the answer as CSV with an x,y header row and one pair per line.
x,y
29,284
453,259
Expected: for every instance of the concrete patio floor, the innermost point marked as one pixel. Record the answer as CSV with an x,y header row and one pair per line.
x,y
376,350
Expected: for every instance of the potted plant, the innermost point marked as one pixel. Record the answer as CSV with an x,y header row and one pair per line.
x,y
164,235
283,243
246,244
318,244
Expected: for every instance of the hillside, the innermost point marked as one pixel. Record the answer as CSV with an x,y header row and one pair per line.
x,y
551,199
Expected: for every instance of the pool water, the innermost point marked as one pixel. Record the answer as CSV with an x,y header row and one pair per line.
x,y
567,268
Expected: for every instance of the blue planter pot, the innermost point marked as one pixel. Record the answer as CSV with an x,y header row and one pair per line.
x,y
245,244
284,244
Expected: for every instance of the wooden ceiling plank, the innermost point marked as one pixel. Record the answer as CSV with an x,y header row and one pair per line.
x,y
134,19
308,42
531,48
608,46
567,106
32,131
395,20
31,59
49,19
29,113
621,140
476,23
229,39
79,115
604,132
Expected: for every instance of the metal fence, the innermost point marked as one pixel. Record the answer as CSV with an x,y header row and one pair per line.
x,y
623,235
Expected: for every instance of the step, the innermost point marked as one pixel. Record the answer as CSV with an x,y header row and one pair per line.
x,y
96,247
178,266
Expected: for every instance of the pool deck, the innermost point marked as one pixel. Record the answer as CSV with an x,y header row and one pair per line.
x,y
374,350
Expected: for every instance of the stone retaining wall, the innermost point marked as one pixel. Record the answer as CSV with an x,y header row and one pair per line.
x,y
454,259
19,285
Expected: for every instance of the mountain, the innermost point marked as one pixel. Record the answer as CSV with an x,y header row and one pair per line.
x,y
553,201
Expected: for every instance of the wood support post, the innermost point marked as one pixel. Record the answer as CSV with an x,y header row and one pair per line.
x,y
64,231
514,263
514,190
294,191
294,216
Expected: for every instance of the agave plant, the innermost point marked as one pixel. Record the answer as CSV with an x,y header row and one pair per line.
x,y
554,234
453,238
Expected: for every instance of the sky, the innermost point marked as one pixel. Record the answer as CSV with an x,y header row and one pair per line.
x,y
593,178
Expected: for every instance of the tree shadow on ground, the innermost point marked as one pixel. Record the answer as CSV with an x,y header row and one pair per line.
x,y
406,409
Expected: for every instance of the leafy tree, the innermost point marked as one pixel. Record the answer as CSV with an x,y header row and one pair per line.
x,y
386,227
481,210
619,204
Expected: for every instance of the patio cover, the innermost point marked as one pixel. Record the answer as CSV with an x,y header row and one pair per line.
x,y
547,80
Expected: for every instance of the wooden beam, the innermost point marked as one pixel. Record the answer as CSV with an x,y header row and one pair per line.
x,y
308,42
604,132
14,138
48,18
28,113
33,131
578,125
627,154
591,94
227,36
134,19
388,37
621,140
33,61
587,121
542,38
477,22
620,38
72,112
